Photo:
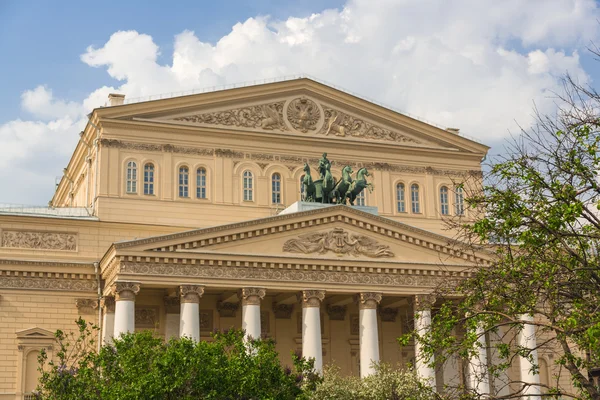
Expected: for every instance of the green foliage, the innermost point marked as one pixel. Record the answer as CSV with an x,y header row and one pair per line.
x,y
142,366
537,218
387,383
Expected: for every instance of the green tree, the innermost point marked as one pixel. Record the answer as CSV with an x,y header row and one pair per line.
x,y
142,366
537,219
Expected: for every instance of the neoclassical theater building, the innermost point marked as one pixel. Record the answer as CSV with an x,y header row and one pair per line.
x,y
183,216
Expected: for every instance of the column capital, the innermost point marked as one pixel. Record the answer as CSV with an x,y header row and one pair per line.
x,y
108,303
424,301
368,300
311,298
125,290
251,295
191,293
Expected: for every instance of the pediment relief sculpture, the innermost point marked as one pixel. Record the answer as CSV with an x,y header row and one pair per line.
x,y
302,115
263,116
338,241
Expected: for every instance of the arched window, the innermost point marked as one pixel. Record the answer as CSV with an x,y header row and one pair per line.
x,y
248,185
276,188
459,201
361,199
414,199
201,183
444,206
400,198
131,177
184,182
149,179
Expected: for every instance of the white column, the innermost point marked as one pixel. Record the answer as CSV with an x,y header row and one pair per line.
x,y
251,297
108,319
312,347
125,292
189,322
478,374
368,332
527,340
422,325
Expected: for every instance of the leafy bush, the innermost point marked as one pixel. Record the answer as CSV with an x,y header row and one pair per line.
x,y
388,383
142,366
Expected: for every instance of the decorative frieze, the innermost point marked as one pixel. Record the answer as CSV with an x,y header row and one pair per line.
x,y
283,311
251,295
45,283
146,317
368,300
263,116
191,293
39,240
86,306
227,310
342,124
336,313
125,290
206,320
338,241
311,297
361,277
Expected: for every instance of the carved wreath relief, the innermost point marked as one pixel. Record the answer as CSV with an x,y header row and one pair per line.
x,y
303,114
39,240
337,241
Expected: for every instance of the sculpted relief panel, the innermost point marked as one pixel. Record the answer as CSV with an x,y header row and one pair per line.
x,y
302,115
39,240
339,242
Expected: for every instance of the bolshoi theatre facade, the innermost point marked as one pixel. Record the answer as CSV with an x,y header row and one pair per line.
x,y
185,215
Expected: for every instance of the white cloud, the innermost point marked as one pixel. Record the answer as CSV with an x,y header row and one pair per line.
x,y
478,65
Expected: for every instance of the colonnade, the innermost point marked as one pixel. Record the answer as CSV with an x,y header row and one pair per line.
x,y
119,318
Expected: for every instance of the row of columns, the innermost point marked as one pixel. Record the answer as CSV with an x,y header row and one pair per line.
x,y
119,318
479,379
122,320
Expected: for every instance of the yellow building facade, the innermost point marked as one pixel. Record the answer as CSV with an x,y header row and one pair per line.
x,y
184,215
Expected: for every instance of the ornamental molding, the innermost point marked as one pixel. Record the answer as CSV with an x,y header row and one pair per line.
x,y
227,309
424,301
283,311
86,306
33,263
283,272
376,224
108,304
341,124
172,304
388,314
146,317
267,116
206,321
368,300
38,240
286,160
251,295
303,114
311,298
43,281
338,241
125,290
191,293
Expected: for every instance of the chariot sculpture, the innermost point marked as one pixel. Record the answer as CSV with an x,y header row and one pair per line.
x,y
328,190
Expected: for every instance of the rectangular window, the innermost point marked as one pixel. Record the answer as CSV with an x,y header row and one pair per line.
x,y
361,199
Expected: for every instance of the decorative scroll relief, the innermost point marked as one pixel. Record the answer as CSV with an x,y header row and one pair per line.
x,y
303,114
79,285
341,124
264,116
339,242
39,240
278,275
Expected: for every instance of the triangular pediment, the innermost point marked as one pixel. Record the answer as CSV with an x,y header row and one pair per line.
x,y
299,107
33,333
336,232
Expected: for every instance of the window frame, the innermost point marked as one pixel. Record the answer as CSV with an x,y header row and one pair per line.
x,y
276,192
183,185
201,187
131,177
401,201
415,203
248,190
459,201
361,198
149,183
444,200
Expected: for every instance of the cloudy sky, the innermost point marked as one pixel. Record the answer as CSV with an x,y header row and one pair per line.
x,y
479,65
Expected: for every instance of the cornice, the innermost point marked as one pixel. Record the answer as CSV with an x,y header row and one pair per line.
x,y
56,281
37,263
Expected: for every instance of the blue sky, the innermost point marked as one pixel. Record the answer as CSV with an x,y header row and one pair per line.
x,y
479,65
